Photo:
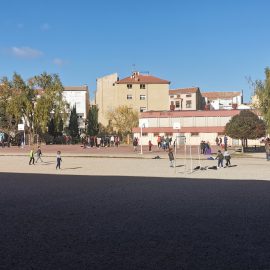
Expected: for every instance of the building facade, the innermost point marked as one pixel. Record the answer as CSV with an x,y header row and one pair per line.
x,y
195,126
222,100
186,99
78,96
140,92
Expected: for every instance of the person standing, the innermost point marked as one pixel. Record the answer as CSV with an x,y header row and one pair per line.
x,y
220,158
31,155
227,157
220,141
58,160
171,156
225,142
135,144
38,153
150,145
159,141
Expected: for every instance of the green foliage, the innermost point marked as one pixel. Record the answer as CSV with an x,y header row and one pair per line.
x,y
123,120
262,91
73,124
245,125
34,101
92,120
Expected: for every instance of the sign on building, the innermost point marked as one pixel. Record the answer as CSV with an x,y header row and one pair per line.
x,y
21,127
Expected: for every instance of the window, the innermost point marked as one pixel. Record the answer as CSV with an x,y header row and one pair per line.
x,y
142,86
172,96
156,134
129,96
144,134
142,97
177,104
129,86
142,109
188,104
188,95
168,134
194,133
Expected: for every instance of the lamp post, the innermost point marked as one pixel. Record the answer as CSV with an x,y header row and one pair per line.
x,y
143,123
142,126
176,126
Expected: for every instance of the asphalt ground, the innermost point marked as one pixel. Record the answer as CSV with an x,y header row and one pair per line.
x,y
122,222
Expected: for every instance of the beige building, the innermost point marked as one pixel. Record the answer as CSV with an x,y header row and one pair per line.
x,y
186,99
140,92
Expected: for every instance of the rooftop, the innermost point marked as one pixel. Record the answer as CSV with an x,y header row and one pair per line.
x,y
223,95
184,90
137,78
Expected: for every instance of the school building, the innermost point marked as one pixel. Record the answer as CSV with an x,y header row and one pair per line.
x,y
190,127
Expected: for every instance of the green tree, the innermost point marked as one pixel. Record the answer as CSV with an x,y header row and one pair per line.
x,y
92,121
244,126
34,101
123,120
262,92
51,127
50,101
73,124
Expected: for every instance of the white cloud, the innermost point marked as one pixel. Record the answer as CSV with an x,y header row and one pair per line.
x,y
59,62
45,27
26,52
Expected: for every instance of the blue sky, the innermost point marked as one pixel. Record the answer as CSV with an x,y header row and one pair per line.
x,y
212,44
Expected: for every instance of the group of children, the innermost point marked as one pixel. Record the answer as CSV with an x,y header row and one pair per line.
x,y
39,154
221,156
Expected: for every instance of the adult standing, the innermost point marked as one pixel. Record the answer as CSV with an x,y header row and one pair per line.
x,y
225,142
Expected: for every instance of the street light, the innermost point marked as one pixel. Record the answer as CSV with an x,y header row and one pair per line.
x,y
143,123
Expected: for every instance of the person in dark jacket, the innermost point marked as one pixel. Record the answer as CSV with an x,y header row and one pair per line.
x,y
58,160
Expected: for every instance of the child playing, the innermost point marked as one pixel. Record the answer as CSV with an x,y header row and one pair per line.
x,y
227,157
171,156
32,159
220,157
58,160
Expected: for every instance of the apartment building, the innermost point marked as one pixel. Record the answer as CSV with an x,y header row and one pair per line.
x,y
78,96
186,99
141,92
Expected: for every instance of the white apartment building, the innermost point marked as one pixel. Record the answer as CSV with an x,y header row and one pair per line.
x,y
222,100
78,96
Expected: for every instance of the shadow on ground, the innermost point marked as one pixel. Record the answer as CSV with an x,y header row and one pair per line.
x,y
99,222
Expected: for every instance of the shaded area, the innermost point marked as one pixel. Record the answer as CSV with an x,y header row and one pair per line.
x,y
99,222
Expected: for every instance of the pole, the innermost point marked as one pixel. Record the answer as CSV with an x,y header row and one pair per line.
x,y
190,155
175,155
24,138
141,141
